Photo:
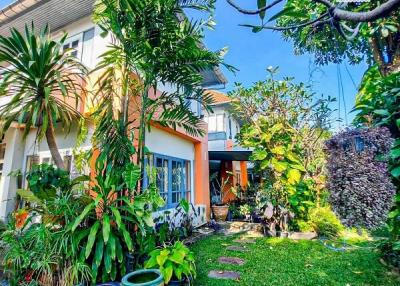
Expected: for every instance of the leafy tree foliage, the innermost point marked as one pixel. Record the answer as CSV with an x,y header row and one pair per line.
x,y
321,28
154,44
378,105
45,84
361,191
285,129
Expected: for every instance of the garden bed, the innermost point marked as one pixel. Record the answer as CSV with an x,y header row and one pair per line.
x,y
276,261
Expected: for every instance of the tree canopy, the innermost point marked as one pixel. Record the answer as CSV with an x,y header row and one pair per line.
x,y
336,30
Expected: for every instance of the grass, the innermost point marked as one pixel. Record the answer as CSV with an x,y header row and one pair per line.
x,y
275,261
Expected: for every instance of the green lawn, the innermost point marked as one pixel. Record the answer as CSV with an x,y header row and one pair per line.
x,y
274,261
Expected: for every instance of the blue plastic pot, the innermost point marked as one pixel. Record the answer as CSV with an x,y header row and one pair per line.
x,y
139,278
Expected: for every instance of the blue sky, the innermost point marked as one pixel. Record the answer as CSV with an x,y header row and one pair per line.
x,y
253,53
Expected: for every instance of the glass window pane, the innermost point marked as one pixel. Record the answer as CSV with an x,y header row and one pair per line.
x,y
188,179
75,44
67,163
159,174
2,151
165,176
87,48
220,122
212,123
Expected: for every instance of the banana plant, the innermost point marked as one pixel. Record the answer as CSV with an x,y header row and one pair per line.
x,y
103,229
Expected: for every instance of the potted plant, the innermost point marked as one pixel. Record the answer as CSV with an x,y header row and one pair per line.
x,y
219,206
144,277
176,263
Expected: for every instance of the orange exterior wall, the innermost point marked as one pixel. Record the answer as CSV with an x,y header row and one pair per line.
x,y
243,174
200,165
201,175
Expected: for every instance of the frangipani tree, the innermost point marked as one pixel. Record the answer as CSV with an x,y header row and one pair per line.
x,y
44,83
286,131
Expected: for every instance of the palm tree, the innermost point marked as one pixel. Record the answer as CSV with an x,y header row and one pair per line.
x,y
42,80
158,44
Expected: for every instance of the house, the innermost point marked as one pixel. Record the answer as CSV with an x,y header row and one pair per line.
x,y
174,152
227,158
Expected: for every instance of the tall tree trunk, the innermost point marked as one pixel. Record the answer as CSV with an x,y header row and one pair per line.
x,y
142,134
51,141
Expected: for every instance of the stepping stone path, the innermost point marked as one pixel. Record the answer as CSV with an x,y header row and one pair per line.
x,y
237,248
231,260
232,275
228,275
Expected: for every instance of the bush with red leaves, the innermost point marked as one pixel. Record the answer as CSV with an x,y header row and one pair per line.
x,y
361,191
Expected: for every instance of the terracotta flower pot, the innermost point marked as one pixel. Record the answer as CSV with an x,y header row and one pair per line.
x,y
220,212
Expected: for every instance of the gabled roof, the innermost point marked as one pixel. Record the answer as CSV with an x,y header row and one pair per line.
x,y
60,13
56,13
219,97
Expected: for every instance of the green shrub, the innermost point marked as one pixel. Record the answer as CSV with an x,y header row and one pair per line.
x,y
305,226
325,222
174,261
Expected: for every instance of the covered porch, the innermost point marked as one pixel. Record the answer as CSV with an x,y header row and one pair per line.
x,y
230,168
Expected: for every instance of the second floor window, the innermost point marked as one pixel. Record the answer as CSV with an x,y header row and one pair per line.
x,y
81,46
215,123
73,43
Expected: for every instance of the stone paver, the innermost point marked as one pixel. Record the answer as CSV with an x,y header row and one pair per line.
x,y
229,275
245,241
303,235
237,248
231,260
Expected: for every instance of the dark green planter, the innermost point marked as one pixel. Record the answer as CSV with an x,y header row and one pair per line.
x,y
182,282
146,277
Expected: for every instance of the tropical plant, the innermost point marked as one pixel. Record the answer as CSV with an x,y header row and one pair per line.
x,y
108,223
324,221
221,188
44,83
286,131
154,44
37,244
45,181
361,191
174,261
378,104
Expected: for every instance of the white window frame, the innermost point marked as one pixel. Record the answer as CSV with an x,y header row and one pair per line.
x,y
68,42
219,124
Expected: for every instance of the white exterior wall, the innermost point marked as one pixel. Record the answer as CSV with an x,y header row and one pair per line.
x,y
230,129
164,143
13,159
75,29
161,142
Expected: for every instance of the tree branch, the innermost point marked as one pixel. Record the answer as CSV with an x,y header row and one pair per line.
x,y
336,12
379,12
314,22
253,12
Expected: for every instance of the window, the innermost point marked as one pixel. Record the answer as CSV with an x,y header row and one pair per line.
x,y
31,160
173,178
215,123
2,154
73,43
82,46
87,48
